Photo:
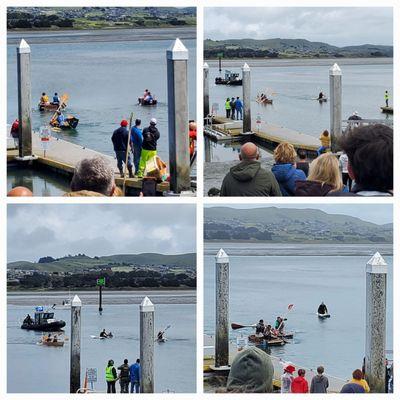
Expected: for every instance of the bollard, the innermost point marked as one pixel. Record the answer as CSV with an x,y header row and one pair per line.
x,y
335,94
375,341
221,309
178,117
246,98
206,90
75,343
147,345
24,101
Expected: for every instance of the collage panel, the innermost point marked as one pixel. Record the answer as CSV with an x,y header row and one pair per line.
x,y
292,108
102,300
101,101
298,298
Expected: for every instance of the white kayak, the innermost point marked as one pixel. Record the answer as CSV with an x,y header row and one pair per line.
x,y
323,316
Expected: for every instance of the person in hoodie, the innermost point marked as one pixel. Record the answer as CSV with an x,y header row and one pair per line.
x,y
300,384
248,178
149,145
285,170
324,177
319,383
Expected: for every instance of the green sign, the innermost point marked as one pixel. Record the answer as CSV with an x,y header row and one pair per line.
x,y
101,282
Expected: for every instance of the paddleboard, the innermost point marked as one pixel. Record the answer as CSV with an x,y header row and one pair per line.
x,y
97,337
323,316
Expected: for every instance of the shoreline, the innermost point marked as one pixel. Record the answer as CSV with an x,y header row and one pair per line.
x,y
24,292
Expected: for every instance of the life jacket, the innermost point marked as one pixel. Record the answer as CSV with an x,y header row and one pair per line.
x,y
109,374
228,105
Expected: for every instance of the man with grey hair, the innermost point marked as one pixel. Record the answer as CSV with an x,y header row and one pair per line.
x,y
93,175
248,178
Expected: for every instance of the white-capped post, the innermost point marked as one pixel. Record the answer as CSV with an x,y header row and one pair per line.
x,y
24,99
375,340
75,361
178,117
246,98
335,94
206,90
147,345
222,309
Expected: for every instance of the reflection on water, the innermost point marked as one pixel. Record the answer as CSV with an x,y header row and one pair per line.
x,y
40,182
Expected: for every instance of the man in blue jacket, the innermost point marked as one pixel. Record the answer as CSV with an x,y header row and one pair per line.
x,y
135,374
120,142
136,144
239,108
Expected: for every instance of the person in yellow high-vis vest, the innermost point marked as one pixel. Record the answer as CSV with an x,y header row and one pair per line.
x,y
111,377
228,107
386,98
149,145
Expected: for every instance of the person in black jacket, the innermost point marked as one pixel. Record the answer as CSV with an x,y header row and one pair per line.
x,y
149,145
120,142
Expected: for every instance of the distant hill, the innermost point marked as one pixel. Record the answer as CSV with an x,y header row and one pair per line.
x,y
289,48
288,225
82,262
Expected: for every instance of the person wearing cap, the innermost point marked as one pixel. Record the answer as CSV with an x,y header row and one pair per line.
x,y
120,142
149,145
287,378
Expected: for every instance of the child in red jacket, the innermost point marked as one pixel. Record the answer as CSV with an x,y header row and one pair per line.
x,y
300,384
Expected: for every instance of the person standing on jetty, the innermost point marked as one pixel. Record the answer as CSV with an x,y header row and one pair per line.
x,y
111,377
120,142
239,108
386,96
287,379
303,164
232,103
228,107
136,144
319,383
135,374
325,142
300,384
248,178
124,377
149,145
343,165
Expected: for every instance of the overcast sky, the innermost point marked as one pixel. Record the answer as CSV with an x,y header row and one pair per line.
x,y
54,230
376,213
333,25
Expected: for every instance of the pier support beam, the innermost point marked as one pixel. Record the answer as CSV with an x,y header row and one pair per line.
x,y
24,100
335,94
178,117
221,309
246,98
375,340
75,361
206,90
147,345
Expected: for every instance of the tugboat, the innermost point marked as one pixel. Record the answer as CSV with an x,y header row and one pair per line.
x,y
231,79
44,321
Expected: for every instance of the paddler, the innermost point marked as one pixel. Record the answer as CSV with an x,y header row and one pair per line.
x,y
160,336
260,327
321,96
44,99
103,334
279,325
56,99
60,119
322,309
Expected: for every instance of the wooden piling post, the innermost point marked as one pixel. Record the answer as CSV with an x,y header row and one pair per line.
x,y
221,309
75,343
206,90
178,117
100,298
24,100
375,340
335,94
246,98
147,345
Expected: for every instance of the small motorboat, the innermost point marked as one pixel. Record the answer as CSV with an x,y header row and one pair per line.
x,y
144,102
44,321
231,78
71,122
323,316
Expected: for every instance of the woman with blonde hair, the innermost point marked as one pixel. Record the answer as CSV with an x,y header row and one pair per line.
x,y
285,170
324,177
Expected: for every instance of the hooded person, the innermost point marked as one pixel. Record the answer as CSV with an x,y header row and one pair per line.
x,y
319,383
300,384
248,178
149,145
251,372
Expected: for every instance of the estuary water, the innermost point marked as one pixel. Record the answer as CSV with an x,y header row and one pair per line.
x,y
46,369
264,280
104,73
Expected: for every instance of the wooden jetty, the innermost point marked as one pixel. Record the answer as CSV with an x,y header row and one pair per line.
x,y
265,133
335,384
62,157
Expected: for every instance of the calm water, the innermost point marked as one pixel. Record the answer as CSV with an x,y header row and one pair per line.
x,y
103,79
262,286
175,360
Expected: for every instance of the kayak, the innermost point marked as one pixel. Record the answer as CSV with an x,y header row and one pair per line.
x,y
143,102
70,123
163,340
323,316
322,100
